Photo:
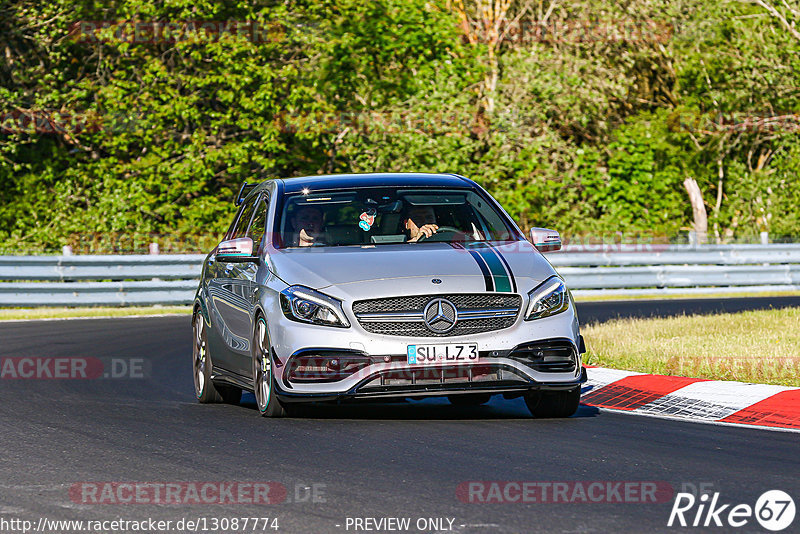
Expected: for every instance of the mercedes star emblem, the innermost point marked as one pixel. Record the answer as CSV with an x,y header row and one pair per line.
x,y
440,316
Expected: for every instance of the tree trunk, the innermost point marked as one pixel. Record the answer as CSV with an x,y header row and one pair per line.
x,y
700,223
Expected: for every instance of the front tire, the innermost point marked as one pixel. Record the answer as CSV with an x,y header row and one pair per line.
x,y
263,379
553,404
204,388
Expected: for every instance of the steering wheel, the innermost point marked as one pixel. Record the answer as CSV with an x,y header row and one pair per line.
x,y
443,230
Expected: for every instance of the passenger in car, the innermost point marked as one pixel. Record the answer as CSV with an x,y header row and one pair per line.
x,y
307,223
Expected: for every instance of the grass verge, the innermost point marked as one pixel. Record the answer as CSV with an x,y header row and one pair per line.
x,y
754,346
15,314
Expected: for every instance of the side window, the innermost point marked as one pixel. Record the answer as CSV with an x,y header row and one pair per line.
x,y
493,224
245,215
259,224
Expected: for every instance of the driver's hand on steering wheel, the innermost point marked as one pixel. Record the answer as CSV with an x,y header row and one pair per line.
x,y
418,233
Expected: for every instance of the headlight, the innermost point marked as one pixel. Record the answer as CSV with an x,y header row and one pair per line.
x,y
308,306
550,298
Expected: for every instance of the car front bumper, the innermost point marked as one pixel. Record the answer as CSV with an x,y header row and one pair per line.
x,y
385,371
509,388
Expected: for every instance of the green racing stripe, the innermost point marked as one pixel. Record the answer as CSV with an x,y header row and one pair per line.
x,y
501,276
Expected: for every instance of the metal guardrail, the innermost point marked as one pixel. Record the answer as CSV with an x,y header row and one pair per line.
x,y
117,280
610,270
65,268
664,269
631,255
97,293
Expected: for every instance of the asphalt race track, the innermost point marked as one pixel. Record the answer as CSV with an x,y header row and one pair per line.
x,y
387,460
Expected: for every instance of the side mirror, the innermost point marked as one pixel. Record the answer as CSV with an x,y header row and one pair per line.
x,y
545,240
238,250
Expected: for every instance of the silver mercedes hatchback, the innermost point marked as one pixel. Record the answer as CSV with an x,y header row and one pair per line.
x,y
373,286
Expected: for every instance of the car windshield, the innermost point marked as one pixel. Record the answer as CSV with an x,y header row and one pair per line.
x,y
380,216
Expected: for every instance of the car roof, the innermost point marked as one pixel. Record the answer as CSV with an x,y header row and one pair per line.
x,y
341,181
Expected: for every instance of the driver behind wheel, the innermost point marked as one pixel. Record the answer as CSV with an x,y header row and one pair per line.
x,y
421,222
307,222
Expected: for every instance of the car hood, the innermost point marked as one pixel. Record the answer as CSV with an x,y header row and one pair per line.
x,y
413,269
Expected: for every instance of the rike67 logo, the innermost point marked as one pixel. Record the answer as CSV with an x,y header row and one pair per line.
x,y
774,510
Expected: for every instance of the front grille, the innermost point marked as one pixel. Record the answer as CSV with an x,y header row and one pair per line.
x,y
554,356
418,302
493,311
420,330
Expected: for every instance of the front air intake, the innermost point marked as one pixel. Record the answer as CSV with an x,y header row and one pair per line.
x,y
551,356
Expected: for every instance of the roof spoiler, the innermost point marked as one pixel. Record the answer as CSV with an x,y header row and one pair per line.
x,y
243,191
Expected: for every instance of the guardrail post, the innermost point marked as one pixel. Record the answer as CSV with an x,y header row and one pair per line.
x,y
765,238
154,248
66,250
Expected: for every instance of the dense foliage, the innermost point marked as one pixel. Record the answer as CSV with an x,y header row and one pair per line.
x,y
583,116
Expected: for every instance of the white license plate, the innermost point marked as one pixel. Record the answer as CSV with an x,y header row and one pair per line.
x,y
450,353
